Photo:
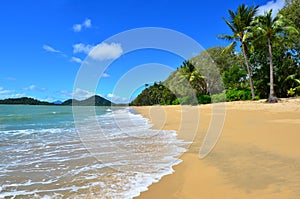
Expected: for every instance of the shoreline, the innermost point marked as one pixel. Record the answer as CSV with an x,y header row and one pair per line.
x,y
256,156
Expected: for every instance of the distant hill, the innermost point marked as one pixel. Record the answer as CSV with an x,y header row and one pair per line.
x,y
24,100
69,102
57,102
95,100
91,101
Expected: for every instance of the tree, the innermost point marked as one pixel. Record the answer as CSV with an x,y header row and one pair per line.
x,y
239,24
214,62
291,11
270,29
193,76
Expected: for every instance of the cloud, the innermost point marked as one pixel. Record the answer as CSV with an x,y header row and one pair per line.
x,y
274,5
110,95
53,50
82,48
4,93
82,94
10,78
117,99
105,75
76,59
78,94
77,27
34,88
86,24
50,49
65,93
105,51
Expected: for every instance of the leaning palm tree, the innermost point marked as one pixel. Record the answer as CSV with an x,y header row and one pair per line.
x,y
194,78
271,29
239,23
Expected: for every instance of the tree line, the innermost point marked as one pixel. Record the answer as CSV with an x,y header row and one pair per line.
x,y
261,62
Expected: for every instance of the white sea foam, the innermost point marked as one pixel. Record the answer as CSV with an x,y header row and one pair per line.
x,y
130,156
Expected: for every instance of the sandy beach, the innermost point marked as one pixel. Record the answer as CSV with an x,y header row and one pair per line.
x,y
256,156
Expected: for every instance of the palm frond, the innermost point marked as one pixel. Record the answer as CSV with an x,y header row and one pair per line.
x,y
230,25
226,37
230,47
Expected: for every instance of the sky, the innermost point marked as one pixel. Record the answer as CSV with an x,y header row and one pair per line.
x,y
46,45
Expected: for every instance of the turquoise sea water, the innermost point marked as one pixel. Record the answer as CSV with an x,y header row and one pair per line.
x,y
43,154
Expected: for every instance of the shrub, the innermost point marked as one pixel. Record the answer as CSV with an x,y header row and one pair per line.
x,y
204,99
236,94
175,102
218,98
188,100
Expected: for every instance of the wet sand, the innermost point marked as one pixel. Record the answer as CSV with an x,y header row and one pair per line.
x,y
256,156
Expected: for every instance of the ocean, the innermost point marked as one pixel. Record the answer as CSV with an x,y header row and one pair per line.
x,y
83,152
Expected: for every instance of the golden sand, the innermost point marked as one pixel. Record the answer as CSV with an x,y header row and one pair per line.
x,y
256,156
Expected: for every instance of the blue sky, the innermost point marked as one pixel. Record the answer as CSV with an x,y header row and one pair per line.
x,y
45,43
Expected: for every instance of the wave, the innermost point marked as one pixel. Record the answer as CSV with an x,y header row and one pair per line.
x,y
118,158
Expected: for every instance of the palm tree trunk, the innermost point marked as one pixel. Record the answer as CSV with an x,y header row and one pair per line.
x,y
249,72
272,98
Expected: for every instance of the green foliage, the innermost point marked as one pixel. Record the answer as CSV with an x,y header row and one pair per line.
x,y
236,95
188,100
204,99
240,24
155,94
235,77
176,102
263,39
295,85
24,100
186,81
221,97
291,92
291,12
268,30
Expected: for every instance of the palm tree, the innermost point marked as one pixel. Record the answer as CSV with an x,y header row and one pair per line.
x,y
193,76
271,29
240,22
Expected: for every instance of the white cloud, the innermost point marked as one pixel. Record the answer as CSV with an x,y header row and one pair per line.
x,y
82,48
105,75
3,91
77,27
117,99
86,24
81,94
34,88
30,88
78,94
105,51
50,49
76,59
110,95
274,5
65,93
4,94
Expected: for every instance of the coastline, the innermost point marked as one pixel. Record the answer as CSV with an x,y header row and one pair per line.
x,y
257,155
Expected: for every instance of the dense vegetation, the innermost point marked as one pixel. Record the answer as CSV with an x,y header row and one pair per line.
x,y
24,100
261,62
91,101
